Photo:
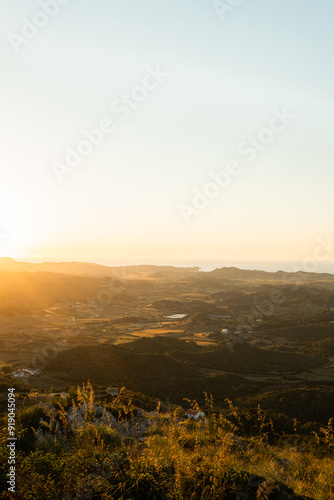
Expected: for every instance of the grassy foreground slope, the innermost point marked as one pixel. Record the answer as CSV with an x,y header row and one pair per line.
x,y
135,455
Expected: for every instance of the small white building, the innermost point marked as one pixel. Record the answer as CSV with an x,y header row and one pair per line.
x,y
224,330
197,415
25,372
113,391
62,395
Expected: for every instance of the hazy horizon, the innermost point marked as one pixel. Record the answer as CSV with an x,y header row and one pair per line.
x,y
266,265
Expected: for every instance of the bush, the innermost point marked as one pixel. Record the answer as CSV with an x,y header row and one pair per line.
x,y
30,417
109,436
28,420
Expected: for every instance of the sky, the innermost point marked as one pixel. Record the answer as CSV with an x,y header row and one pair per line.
x,y
187,93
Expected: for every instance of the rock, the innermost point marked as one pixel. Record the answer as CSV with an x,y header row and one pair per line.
x,y
75,419
86,408
44,440
98,411
254,480
243,496
108,419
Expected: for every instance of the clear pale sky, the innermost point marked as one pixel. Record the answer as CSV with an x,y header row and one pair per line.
x,y
226,76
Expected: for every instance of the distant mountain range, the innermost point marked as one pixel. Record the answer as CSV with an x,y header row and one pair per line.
x,y
153,271
87,268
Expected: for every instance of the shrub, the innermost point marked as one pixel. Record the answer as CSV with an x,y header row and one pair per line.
x,y
109,436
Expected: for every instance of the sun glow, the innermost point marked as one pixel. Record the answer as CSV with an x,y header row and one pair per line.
x,y
18,227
